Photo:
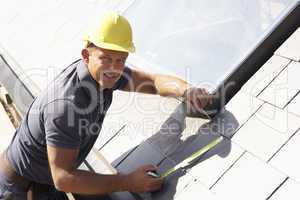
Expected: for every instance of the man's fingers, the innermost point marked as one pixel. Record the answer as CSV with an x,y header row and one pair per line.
x,y
156,184
201,98
196,104
197,99
207,96
147,168
200,104
203,91
159,181
191,106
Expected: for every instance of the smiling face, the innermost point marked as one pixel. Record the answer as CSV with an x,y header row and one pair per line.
x,y
105,66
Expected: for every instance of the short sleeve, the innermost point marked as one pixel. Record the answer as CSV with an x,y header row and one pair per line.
x,y
122,82
61,124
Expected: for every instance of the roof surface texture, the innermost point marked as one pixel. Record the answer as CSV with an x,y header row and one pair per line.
x,y
258,158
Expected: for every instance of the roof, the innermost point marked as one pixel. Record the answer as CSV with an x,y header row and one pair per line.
x,y
256,160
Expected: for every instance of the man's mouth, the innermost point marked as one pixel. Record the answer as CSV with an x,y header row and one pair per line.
x,y
111,75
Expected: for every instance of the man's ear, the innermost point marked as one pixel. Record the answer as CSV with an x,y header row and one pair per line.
x,y
85,55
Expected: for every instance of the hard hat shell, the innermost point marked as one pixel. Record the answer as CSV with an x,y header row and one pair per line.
x,y
112,32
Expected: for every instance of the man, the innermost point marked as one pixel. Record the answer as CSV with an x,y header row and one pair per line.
x,y
53,139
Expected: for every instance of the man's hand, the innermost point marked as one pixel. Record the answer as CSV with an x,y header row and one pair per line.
x,y
197,98
140,181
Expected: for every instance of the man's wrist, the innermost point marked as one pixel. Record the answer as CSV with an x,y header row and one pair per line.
x,y
184,92
124,182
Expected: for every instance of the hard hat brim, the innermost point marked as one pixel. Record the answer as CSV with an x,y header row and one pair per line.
x,y
114,47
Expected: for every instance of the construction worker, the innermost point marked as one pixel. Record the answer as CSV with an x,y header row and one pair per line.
x,y
52,141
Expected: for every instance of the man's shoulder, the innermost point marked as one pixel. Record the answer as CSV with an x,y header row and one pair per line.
x,y
59,108
63,87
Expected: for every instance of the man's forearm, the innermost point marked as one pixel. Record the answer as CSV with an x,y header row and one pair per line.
x,y
170,86
84,182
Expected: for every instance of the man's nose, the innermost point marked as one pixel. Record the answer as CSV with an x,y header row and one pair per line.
x,y
114,67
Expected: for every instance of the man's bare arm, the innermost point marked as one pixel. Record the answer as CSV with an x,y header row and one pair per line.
x,y
166,85
68,179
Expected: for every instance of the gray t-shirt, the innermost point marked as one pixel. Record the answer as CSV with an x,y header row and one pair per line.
x,y
67,114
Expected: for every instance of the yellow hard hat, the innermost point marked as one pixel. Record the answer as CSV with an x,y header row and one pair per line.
x,y
113,32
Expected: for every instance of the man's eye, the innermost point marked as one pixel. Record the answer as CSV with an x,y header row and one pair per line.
x,y
121,61
105,59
